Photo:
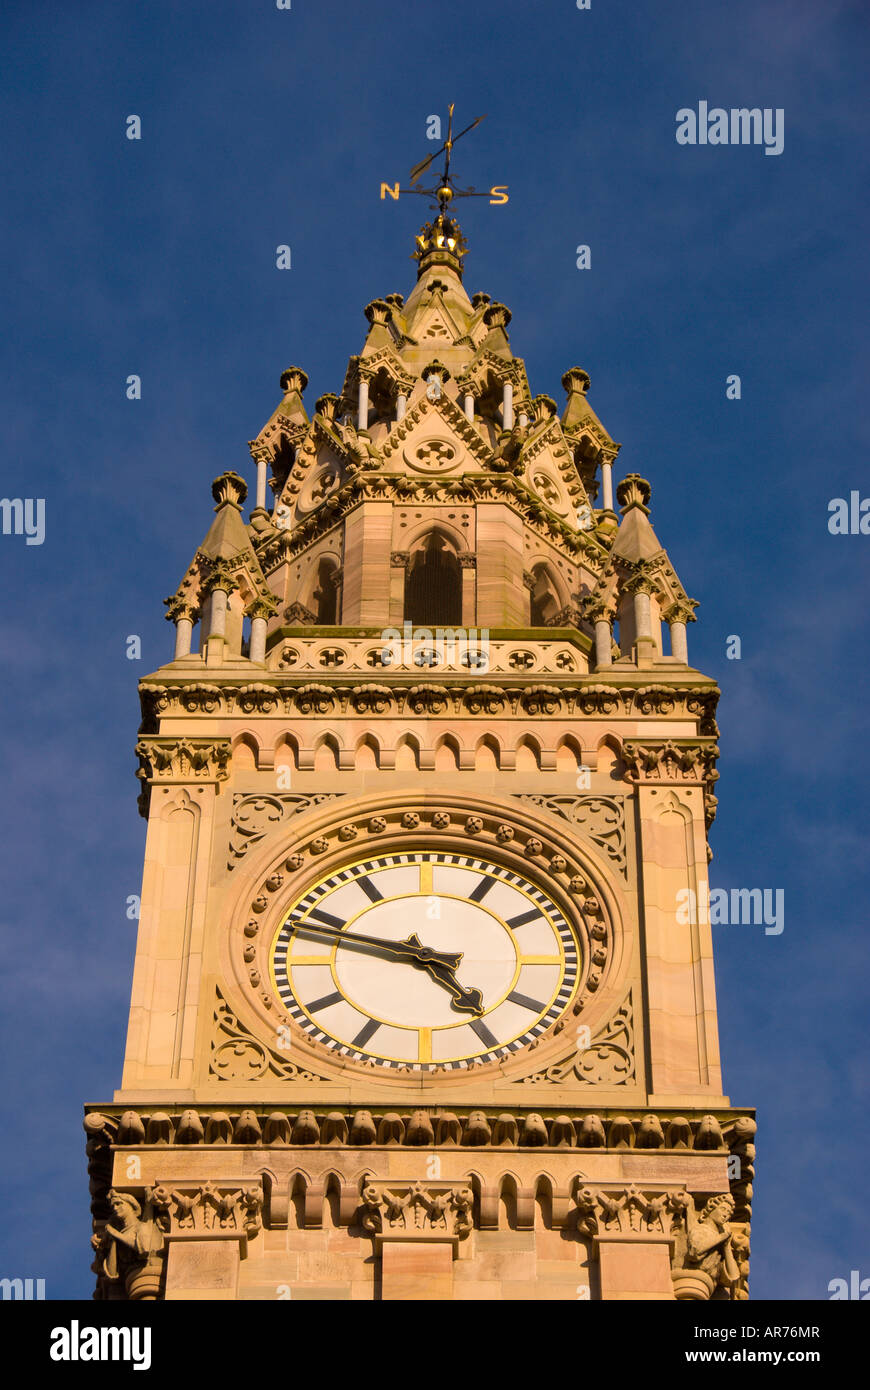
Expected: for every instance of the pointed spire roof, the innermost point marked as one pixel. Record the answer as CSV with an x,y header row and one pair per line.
x,y
635,540
227,545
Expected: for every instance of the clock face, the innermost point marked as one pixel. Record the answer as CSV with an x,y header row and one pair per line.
x,y
425,960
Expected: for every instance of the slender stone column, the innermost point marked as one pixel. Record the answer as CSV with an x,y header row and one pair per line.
x,y
641,633
679,645
260,610
603,650
363,412
401,406
600,615
258,639
524,419
469,407
642,613
183,635
218,625
218,585
607,485
468,565
676,617
507,408
183,613
262,467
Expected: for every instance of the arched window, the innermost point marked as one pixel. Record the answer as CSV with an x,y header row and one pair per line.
x,y
433,589
326,593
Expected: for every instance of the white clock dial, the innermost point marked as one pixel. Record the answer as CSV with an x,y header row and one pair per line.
x,y
425,960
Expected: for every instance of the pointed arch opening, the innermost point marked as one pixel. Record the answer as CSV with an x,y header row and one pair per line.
x,y
325,594
433,587
487,754
508,1201
368,754
569,755
326,754
246,752
528,757
544,603
446,754
407,754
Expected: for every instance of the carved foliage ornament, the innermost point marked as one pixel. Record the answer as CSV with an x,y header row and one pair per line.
x,y
183,760
670,762
599,818
255,816
236,1055
607,1059
417,1211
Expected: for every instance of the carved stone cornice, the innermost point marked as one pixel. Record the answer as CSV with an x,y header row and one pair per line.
x,y
479,1131
704,1225
472,1127
285,694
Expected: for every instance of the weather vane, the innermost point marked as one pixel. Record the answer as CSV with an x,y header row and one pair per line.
x,y
445,191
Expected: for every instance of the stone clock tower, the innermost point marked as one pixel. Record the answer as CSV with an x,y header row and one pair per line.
x,y
417,1012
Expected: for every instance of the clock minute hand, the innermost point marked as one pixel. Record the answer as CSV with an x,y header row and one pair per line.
x,y
412,949
439,965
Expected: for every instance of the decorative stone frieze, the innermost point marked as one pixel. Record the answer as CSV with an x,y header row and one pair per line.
x,y
416,1211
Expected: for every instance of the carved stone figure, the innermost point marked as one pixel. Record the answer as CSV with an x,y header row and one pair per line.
x,y
131,1249
704,1258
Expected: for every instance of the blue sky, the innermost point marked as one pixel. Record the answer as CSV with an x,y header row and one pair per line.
x,y
263,127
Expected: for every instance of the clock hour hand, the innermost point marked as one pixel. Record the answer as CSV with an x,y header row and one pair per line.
x,y
441,967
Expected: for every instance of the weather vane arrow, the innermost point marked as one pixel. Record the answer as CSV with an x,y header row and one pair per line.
x,y
445,190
